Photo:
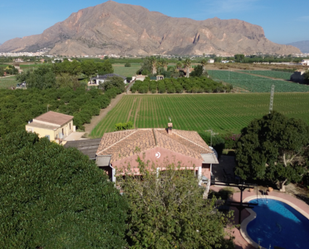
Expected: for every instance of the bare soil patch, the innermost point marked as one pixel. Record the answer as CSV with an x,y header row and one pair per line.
x,y
103,112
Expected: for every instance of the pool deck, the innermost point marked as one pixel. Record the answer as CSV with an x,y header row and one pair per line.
x,y
240,242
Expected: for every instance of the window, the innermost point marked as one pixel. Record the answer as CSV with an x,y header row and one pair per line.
x,y
48,137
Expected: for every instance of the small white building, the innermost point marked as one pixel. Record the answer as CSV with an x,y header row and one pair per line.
x,y
100,79
211,61
305,62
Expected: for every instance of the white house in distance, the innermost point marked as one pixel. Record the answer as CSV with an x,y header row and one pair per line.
x,y
53,125
305,62
211,61
95,81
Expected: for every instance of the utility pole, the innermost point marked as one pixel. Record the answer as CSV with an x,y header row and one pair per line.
x,y
271,103
211,134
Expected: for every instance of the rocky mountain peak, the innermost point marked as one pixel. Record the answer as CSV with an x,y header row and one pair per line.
x,y
127,29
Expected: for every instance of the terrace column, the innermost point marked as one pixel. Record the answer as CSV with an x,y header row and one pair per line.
x,y
199,173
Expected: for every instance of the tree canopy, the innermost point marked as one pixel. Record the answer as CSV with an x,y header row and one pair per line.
x,y
53,197
273,148
168,211
64,74
113,81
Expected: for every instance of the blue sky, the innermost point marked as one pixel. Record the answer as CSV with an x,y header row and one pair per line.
x,y
283,21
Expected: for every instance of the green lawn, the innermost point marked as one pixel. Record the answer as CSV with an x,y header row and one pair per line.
x,y
6,82
126,71
221,112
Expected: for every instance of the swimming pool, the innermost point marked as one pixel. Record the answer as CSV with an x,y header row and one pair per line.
x,y
277,224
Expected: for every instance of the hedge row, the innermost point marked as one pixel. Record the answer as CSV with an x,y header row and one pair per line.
x,y
180,85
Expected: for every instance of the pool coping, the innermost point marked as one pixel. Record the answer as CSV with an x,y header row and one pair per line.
x,y
252,216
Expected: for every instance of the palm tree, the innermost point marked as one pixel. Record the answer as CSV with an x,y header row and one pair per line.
x,y
153,62
164,63
178,65
187,64
204,63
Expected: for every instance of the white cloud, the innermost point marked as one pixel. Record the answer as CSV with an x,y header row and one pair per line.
x,y
229,6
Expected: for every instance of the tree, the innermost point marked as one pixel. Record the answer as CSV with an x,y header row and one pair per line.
x,y
204,63
239,57
128,64
67,80
187,64
273,148
168,210
104,67
178,65
198,71
53,197
153,62
22,77
113,81
42,78
1,71
88,67
163,63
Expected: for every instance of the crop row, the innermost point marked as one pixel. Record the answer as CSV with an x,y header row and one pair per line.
x,y
222,113
256,83
273,74
189,85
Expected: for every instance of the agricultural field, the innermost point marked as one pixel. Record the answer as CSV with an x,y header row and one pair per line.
x,y
221,112
272,74
255,83
126,71
6,82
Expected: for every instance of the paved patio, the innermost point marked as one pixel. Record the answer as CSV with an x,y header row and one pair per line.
x,y
75,136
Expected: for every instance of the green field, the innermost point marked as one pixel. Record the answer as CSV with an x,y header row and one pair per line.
x,y
255,83
221,112
126,71
6,82
273,74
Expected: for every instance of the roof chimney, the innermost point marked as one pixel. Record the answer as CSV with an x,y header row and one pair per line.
x,y
169,128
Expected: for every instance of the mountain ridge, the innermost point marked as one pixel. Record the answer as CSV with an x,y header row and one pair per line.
x,y
114,28
302,45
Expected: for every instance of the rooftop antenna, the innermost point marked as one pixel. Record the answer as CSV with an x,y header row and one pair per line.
x,y
271,103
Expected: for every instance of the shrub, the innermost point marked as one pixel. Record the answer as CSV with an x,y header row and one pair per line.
x,y
127,64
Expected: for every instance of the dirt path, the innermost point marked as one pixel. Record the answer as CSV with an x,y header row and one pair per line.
x,y
103,112
137,110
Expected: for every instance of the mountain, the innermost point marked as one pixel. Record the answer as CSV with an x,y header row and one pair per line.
x,y
302,45
126,29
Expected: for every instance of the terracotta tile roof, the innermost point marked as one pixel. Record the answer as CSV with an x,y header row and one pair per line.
x,y
123,144
54,118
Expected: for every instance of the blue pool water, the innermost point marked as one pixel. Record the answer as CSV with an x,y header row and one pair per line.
x,y
278,224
